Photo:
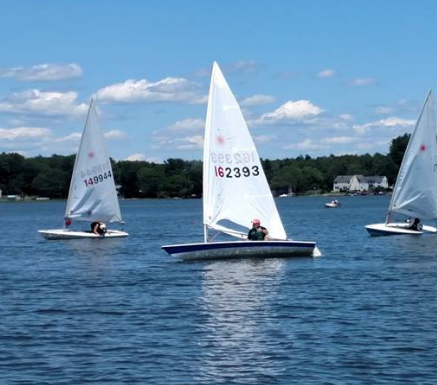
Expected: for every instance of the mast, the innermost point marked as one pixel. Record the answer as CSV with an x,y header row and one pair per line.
x,y
206,155
70,190
205,233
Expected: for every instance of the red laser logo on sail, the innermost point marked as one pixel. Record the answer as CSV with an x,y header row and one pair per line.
x,y
422,148
220,140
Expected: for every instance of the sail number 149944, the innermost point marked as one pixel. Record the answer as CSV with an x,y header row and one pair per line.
x,y
97,178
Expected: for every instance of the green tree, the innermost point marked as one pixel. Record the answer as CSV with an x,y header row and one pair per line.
x,y
398,147
176,186
52,183
10,169
149,180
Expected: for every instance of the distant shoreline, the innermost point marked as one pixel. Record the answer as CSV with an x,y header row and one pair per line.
x,y
331,194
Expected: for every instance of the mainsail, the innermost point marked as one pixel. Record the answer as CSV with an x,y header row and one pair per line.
x,y
235,188
92,194
415,192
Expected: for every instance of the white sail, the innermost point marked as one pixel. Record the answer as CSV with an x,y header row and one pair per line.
x,y
92,195
234,184
415,192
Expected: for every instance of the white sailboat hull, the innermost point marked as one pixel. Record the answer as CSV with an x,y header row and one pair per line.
x,y
68,234
381,229
242,249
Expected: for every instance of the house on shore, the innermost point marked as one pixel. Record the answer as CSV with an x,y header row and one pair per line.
x,y
359,183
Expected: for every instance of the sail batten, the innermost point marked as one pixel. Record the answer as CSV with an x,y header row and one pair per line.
x,y
235,188
415,192
92,194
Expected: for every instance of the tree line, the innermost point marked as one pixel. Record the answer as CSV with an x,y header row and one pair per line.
x,y
50,176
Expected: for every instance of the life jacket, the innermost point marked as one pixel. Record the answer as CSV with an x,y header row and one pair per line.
x,y
255,235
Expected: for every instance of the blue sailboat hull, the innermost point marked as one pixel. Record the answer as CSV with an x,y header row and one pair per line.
x,y
240,249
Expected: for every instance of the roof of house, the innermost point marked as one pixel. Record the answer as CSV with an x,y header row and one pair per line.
x,y
361,179
343,179
371,179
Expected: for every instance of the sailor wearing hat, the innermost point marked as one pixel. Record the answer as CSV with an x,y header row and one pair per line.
x,y
257,232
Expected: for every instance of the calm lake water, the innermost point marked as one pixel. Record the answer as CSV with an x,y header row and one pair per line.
x,y
124,312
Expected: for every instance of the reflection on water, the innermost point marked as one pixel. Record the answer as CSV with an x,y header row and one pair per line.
x,y
94,247
235,298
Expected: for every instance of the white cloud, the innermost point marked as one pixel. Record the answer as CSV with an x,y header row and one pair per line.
x,y
62,145
257,100
384,110
114,134
243,66
363,82
338,140
346,117
24,133
73,138
139,157
373,144
136,157
391,123
190,142
43,72
263,138
44,103
327,73
17,122
300,110
181,143
188,125
307,144
166,90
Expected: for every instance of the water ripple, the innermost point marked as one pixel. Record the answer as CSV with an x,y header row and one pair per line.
x,y
125,313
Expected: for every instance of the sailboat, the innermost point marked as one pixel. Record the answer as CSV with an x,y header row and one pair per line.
x,y
415,192
235,189
92,196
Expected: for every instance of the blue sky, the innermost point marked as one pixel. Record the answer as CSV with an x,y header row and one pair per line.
x,y
312,77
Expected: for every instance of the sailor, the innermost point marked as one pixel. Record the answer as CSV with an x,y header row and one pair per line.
x,y
257,232
415,224
98,228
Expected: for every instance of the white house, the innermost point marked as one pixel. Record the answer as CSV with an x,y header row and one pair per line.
x,y
372,182
1,192
346,183
359,182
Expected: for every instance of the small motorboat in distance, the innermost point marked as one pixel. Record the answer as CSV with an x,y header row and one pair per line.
x,y
333,204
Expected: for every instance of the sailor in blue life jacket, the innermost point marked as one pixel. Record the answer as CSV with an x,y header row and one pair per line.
x,y
257,232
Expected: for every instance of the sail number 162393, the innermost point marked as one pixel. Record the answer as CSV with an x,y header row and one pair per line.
x,y
235,172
